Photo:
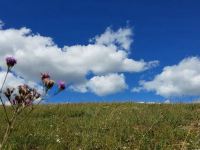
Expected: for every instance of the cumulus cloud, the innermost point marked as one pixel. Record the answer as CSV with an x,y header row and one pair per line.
x,y
1,24
182,79
13,81
103,85
167,101
7,103
137,89
122,37
106,53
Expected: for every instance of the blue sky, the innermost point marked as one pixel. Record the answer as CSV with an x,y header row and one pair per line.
x,y
167,31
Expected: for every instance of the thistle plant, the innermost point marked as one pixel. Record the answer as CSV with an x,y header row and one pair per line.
x,y
22,98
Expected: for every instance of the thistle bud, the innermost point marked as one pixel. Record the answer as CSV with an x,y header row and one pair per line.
x,y
18,99
7,93
45,76
23,89
48,83
14,102
61,85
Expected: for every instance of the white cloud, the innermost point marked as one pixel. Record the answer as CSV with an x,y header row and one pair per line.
x,y
13,81
152,102
136,89
1,24
196,101
108,53
141,102
7,103
103,85
109,84
167,101
182,79
122,37
149,102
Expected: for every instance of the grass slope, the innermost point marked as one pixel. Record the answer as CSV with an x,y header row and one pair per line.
x,y
108,126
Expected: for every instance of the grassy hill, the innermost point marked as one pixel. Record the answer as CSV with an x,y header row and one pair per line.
x,y
108,126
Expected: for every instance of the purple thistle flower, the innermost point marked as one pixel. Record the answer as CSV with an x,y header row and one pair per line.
x,y
45,76
61,85
11,61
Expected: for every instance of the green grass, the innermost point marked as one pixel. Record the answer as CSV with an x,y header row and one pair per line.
x,y
108,126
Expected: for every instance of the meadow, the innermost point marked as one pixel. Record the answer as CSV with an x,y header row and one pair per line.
x,y
107,126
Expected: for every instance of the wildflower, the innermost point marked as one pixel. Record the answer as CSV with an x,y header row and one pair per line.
x,y
36,95
58,140
61,85
14,102
28,102
8,93
45,76
11,61
18,99
23,89
26,96
48,83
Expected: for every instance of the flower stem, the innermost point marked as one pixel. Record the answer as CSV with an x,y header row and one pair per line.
x,y
9,128
4,107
